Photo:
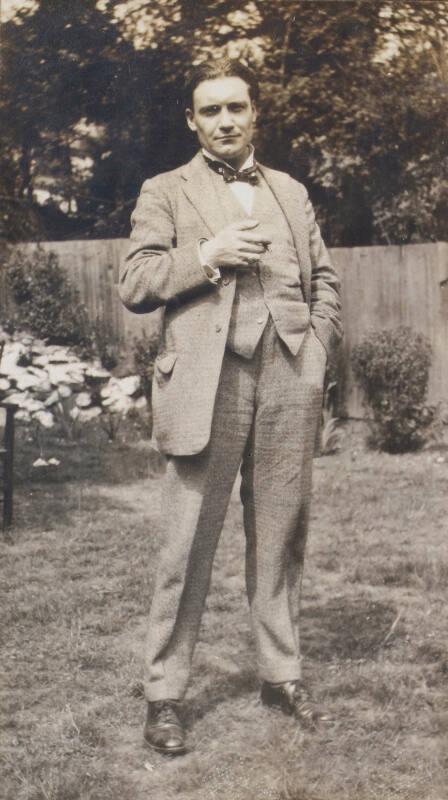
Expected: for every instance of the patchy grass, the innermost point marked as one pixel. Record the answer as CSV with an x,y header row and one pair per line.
x,y
76,584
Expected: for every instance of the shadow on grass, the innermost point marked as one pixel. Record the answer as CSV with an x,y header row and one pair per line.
x,y
221,689
342,629
68,506
346,629
53,494
90,458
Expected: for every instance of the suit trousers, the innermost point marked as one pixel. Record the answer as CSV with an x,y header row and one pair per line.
x,y
265,419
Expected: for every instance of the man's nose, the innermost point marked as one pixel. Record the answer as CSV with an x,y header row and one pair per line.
x,y
225,120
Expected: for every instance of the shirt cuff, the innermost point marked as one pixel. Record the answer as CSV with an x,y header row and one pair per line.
x,y
212,273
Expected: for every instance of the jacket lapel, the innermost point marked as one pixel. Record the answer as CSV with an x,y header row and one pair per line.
x,y
199,188
290,203
292,206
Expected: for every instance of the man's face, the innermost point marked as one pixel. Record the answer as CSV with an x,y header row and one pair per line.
x,y
223,117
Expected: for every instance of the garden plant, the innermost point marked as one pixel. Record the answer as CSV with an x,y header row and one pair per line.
x,y
392,369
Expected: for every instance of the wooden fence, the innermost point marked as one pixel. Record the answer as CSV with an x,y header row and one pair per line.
x,y
382,287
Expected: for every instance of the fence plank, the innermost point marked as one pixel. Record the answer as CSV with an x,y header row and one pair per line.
x,y
382,287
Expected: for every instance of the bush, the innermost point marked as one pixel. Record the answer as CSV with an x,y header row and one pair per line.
x,y
48,306
105,345
392,369
144,353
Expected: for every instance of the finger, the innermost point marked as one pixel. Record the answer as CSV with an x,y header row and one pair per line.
x,y
250,258
253,249
245,224
264,241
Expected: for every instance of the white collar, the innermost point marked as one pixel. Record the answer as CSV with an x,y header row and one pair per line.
x,y
249,162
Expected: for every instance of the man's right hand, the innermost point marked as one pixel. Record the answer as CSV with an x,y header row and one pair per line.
x,y
238,246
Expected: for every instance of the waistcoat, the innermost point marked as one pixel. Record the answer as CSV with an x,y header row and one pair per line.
x,y
273,288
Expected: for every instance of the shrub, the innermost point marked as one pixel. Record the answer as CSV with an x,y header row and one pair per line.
x,y
330,435
392,369
48,306
105,346
145,351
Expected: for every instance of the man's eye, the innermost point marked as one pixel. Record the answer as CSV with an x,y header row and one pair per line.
x,y
210,111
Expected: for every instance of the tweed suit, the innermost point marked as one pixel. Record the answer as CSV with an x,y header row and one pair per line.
x,y
214,409
162,268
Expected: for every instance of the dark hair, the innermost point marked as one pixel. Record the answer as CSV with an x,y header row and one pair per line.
x,y
219,68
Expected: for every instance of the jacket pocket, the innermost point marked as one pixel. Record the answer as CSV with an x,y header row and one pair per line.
x,y
164,365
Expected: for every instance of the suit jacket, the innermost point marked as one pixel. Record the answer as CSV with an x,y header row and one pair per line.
x,y
162,268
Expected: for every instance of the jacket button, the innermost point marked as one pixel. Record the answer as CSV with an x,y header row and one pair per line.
x,y
218,327
226,281
260,320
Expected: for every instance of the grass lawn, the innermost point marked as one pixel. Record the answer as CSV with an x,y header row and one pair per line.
x,y
76,583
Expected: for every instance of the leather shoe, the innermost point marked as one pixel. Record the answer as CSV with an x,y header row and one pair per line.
x,y
292,698
163,730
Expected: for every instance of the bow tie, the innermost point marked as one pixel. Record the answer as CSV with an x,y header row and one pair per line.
x,y
248,175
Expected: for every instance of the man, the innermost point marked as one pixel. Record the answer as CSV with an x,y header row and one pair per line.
x,y
232,252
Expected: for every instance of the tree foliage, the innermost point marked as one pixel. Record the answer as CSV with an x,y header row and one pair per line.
x,y
354,103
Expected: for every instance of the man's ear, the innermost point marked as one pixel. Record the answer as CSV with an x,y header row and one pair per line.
x,y
254,111
190,119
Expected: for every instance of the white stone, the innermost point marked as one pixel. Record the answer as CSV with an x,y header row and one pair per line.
x,y
52,399
23,415
75,377
64,391
87,414
107,390
45,418
39,462
83,400
43,389
58,373
32,405
27,381
58,355
140,403
97,374
42,374
130,385
63,373
4,384
11,355
18,398
121,405
54,462
41,360
15,372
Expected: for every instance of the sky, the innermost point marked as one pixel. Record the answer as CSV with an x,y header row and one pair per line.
x,y
8,7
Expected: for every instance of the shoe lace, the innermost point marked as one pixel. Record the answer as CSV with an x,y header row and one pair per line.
x,y
307,707
165,712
